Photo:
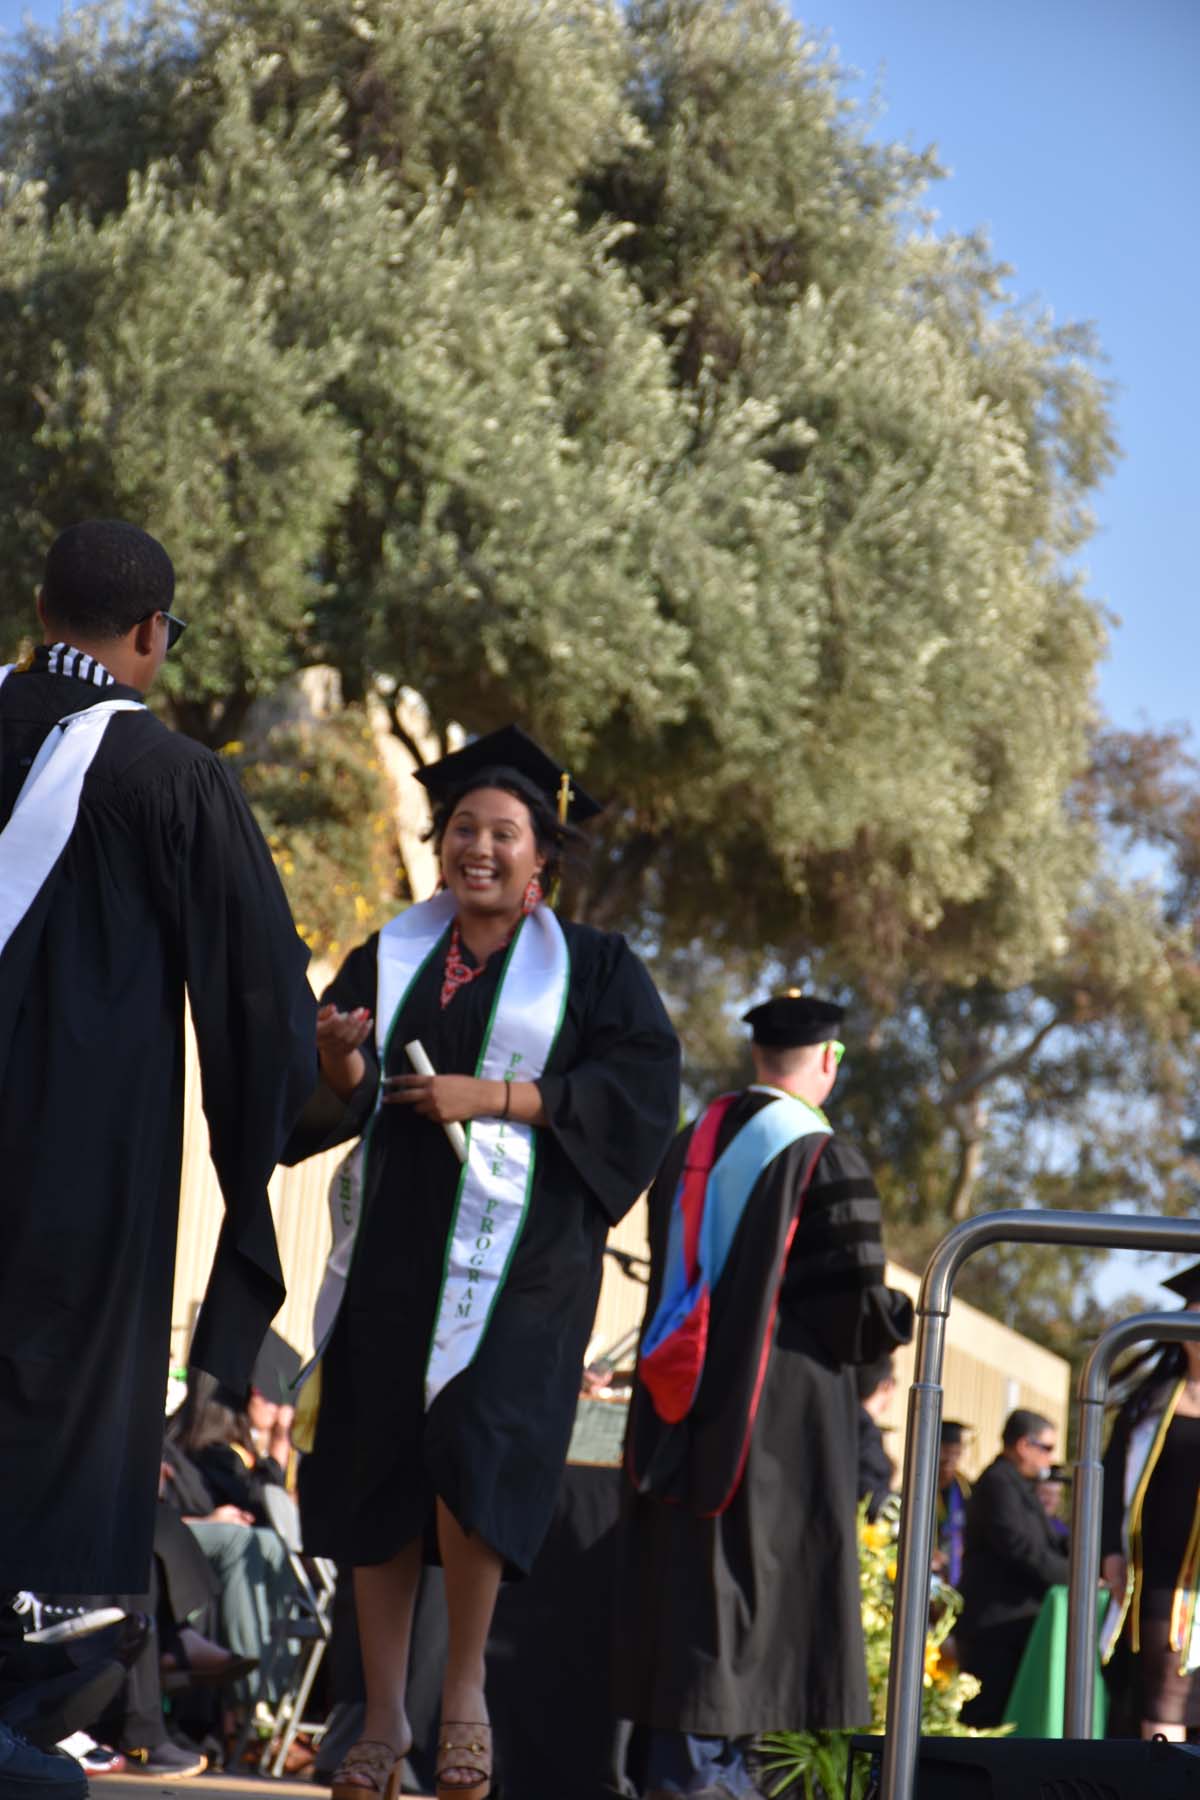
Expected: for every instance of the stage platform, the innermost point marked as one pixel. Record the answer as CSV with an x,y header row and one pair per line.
x,y
202,1787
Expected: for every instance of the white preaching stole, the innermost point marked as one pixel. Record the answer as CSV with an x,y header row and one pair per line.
x,y
48,806
497,1176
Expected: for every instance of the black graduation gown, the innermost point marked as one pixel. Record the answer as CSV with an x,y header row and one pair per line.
x,y
494,1442
165,880
876,1471
749,1620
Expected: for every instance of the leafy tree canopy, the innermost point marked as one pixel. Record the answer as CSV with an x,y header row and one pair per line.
x,y
590,365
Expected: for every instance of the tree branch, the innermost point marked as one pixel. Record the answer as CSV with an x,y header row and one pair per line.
x,y
968,1085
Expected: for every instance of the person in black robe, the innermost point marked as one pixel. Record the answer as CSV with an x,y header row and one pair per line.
x,y
738,1598
475,1467
1149,1523
1011,1557
164,886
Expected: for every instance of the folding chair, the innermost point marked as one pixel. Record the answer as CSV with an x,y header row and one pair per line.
x,y
306,1621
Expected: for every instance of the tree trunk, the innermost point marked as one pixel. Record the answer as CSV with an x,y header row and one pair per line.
x,y
966,1176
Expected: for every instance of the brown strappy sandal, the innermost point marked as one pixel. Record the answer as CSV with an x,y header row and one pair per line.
x,y
464,1746
378,1762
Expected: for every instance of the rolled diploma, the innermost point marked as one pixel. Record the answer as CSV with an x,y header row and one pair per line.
x,y
423,1066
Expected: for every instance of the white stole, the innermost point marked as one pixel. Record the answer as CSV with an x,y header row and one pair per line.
x,y
497,1177
48,806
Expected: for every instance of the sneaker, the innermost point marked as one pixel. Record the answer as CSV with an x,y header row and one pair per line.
x,y
61,1624
167,1761
93,1758
29,1774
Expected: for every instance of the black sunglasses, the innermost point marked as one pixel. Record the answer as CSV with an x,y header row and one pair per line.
x,y
175,627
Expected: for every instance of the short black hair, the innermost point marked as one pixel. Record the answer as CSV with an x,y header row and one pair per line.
x,y
560,844
1023,1424
103,577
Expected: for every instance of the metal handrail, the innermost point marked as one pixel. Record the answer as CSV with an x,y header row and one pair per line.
x,y
1088,1497
1108,1231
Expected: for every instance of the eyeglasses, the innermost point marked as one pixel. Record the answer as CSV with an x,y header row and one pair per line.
x,y
839,1050
175,627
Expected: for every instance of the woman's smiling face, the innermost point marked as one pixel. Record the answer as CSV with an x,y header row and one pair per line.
x,y
489,852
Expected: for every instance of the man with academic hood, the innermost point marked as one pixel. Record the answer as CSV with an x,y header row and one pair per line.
x,y
131,871
738,1601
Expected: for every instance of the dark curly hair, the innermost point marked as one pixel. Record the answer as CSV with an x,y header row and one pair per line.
x,y
563,846
103,577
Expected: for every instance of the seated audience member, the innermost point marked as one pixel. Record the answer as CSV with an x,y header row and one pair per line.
x,y
1011,1558
876,1382
954,1490
1051,1493
215,1482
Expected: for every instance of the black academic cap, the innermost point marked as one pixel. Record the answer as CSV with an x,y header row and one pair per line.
x,y
954,1431
509,751
789,1020
275,1369
1186,1283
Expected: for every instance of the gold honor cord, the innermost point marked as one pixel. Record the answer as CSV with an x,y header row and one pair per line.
x,y
1134,1588
1183,1601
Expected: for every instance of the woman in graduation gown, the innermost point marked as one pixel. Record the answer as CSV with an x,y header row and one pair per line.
x,y
1150,1639
449,1379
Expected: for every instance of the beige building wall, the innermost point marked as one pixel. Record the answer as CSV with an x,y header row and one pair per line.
x,y
989,1369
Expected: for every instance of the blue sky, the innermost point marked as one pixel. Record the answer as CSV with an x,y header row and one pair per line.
x,y
1072,130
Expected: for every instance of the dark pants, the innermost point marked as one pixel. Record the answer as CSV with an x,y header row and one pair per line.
x,y
993,1657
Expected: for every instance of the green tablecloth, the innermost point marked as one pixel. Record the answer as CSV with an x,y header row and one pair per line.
x,y
1035,1704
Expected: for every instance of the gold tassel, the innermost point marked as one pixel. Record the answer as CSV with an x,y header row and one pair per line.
x,y
566,794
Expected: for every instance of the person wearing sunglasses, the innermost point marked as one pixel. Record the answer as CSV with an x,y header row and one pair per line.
x,y
738,1601
131,871
1011,1557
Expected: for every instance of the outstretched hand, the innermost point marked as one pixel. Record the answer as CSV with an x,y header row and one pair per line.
x,y
339,1033
339,1036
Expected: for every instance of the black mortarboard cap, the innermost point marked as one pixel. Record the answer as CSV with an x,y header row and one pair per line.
x,y
509,751
1186,1283
790,1020
954,1431
275,1369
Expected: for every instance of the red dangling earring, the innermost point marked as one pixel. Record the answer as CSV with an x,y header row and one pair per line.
x,y
533,895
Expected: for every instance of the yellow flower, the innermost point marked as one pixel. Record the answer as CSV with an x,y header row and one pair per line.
x,y
876,1537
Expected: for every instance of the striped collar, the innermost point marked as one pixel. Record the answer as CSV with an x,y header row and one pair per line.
x,y
63,659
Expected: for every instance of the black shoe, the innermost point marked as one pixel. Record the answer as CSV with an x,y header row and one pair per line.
x,y
166,1761
29,1774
